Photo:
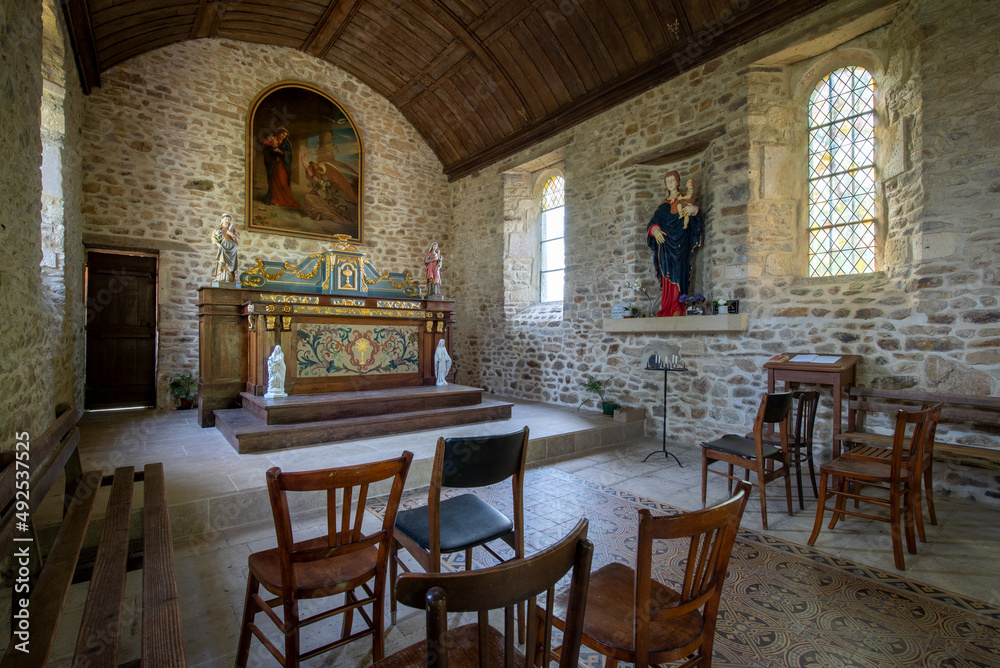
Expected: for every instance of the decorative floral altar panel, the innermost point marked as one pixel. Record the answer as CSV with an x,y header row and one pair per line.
x,y
327,350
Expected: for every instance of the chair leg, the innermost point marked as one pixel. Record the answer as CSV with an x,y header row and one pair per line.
x,y
468,559
838,505
820,507
291,620
763,497
894,528
929,493
907,499
704,474
349,597
391,584
249,612
812,469
788,488
378,622
610,663
917,505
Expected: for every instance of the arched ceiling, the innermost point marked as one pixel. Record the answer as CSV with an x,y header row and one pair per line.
x,y
480,79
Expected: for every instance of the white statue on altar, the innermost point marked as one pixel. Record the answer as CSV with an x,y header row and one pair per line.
x,y
442,363
275,375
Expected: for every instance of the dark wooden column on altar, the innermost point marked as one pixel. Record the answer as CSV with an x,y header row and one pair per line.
x,y
330,343
835,370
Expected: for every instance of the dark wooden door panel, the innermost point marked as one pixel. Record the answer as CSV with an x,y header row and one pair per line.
x,y
121,331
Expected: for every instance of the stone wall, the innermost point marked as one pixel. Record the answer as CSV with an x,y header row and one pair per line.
x,y
165,157
926,320
40,344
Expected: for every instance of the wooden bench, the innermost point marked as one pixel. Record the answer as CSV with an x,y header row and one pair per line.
x,y
44,583
963,416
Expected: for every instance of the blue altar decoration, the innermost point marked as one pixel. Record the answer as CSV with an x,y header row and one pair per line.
x,y
340,270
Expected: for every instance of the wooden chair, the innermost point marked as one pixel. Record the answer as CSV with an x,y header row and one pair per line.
x,y
659,624
877,452
336,563
754,454
801,444
900,476
502,586
464,522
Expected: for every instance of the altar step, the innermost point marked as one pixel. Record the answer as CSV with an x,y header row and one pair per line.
x,y
264,425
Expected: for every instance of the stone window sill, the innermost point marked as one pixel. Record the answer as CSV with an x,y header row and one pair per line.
x,y
739,322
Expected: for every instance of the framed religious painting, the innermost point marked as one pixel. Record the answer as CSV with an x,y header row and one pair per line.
x,y
305,165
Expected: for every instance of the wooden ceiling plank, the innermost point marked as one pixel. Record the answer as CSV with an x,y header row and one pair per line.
x,y
105,45
631,29
142,20
443,109
81,35
607,31
651,21
122,55
137,41
443,133
452,55
384,39
358,44
552,79
522,71
472,76
402,23
261,37
329,27
594,46
431,131
350,55
268,14
498,20
296,32
573,48
507,102
461,32
542,33
473,109
126,11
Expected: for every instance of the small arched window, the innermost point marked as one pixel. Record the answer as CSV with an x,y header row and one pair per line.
x,y
552,251
842,218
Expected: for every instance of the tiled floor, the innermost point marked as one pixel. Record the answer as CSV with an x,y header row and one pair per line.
x,y
214,489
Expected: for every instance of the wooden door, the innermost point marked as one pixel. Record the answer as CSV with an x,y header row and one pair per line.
x,y
121,330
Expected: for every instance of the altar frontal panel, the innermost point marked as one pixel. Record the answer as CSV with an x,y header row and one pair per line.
x,y
327,350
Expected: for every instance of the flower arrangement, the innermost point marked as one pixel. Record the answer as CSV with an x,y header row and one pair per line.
x,y
692,300
637,285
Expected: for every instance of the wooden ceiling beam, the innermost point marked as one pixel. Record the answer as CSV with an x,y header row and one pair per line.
x,y
206,21
81,35
331,26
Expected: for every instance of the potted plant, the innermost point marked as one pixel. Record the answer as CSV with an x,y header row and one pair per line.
x,y
693,304
184,386
598,388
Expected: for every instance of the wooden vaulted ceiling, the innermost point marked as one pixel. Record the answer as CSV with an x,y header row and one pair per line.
x,y
480,79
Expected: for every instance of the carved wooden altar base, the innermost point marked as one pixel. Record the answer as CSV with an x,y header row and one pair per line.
x,y
309,419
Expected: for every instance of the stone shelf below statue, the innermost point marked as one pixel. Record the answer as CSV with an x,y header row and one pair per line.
x,y
735,322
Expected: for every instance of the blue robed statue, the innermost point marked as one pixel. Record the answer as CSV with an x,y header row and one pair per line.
x,y
672,234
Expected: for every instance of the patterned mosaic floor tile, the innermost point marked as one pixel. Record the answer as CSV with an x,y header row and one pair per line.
x,y
784,605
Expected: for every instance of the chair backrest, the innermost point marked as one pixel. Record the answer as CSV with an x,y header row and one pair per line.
x,y
347,490
908,449
478,461
710,533
805,416
775,409
503,587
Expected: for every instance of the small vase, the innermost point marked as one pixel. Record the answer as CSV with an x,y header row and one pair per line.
x,y
697,309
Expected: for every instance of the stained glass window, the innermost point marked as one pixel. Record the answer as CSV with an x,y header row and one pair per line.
x,y
842,174
552,250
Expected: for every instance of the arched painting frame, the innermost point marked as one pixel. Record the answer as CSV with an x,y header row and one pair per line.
x,y
307,182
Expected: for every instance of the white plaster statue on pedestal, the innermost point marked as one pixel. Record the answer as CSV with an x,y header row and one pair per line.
x,y
442,363
275,375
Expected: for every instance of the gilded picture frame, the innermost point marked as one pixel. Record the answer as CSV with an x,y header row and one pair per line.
x,y
304,165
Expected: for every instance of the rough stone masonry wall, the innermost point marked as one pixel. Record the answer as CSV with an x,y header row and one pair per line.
x,y
39,343
927,321
164,123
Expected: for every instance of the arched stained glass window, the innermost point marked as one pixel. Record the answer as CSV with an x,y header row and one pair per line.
x,y
842,174
553,257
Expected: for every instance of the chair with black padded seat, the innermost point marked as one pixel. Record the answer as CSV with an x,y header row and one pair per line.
x,y
632,617
754,454
504,586
335,563
462,523
801,444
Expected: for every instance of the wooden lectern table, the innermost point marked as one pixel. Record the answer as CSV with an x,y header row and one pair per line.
x,y
835,370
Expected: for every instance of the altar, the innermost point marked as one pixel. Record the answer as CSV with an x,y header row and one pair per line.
x,y
341,324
